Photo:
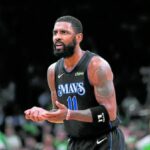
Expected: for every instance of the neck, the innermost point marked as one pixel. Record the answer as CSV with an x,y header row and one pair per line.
x,y
70,63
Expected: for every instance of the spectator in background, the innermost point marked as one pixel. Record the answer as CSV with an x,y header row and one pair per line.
x,y
7,94
130,105
13,140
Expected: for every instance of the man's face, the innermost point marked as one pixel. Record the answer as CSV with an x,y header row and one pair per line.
x,y
64,40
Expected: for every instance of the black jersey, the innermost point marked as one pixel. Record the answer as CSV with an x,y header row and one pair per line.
x,y
74,91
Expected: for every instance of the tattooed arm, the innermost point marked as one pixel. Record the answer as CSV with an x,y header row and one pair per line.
x,y
101,77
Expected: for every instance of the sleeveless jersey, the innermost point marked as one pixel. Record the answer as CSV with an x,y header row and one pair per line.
x,y
74,91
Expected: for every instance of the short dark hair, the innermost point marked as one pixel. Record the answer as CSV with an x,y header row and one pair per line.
x,y
76,23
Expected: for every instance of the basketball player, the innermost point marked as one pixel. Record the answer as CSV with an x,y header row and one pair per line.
x,y
82,92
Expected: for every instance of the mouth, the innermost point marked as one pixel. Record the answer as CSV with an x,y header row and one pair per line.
x,y
59,45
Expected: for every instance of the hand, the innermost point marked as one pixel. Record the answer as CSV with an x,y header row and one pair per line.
x,y
35,114
58,115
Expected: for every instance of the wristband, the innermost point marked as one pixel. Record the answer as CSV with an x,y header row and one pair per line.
x,y
68,114
99,114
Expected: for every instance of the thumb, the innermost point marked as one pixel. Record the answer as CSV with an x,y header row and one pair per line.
x,y
59,105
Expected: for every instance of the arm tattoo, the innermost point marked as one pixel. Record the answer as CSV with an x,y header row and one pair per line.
x,y
104,87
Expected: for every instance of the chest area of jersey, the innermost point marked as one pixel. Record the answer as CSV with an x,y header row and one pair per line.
x,y
71,84
73,92
71,88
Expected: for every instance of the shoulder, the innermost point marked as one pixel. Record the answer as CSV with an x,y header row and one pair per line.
x,y
51,68
51,76
99,69
51,71
98,62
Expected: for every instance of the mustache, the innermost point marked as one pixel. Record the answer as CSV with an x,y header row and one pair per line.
x,y
58,42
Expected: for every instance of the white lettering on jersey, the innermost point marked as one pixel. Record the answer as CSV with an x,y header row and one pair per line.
x,y
71,88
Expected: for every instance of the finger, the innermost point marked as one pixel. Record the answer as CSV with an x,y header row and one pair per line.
x,y
41,118
30,115
35,116
59,105
27,117
49,115
27,112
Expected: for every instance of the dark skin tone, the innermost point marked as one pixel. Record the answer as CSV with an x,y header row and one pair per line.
x,y
99,74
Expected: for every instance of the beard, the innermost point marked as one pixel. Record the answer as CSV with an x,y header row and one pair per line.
x,y
66,50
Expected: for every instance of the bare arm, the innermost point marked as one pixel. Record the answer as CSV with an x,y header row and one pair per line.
x,y
51,83
101,77
37,113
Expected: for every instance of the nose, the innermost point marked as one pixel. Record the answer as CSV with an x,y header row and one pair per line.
x,y
57,37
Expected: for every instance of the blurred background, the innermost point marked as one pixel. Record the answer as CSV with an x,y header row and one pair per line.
x,y
118,31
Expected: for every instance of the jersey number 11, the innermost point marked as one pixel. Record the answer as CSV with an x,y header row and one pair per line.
x,y
72,103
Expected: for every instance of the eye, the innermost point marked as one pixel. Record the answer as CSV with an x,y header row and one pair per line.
x,y
54,32
64,32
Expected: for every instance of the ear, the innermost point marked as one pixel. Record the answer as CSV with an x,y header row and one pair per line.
x,y
79,37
